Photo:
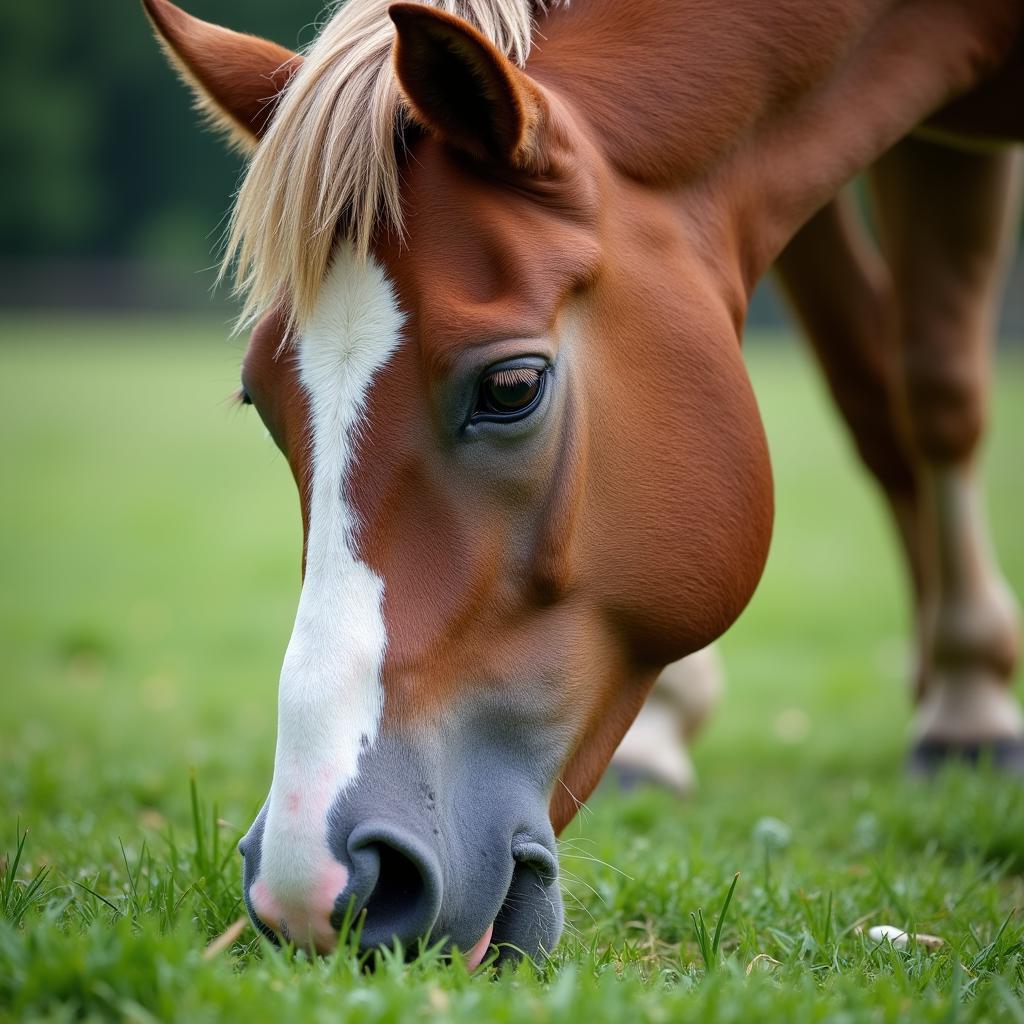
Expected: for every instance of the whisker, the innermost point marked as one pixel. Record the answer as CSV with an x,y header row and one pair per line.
x,y
581,807
586,885
579,903
596,860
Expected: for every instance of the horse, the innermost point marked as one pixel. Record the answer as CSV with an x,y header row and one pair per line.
x,y
497,256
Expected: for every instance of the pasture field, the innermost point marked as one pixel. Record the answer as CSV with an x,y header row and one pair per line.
x,y
149,543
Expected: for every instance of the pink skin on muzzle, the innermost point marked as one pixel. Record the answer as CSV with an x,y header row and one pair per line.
x,y
306,922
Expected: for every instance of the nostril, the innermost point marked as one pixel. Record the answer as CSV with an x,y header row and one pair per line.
x,y
536,856
400,888
397,882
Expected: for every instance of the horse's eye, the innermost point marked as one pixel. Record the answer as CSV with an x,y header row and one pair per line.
x,y
510,393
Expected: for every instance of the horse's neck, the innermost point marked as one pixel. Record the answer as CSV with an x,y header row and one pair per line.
x,y
668,84
776,104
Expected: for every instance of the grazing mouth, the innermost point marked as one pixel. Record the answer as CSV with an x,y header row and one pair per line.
x,y
416,871
530,919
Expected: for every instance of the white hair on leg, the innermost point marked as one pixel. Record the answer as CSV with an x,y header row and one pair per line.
x,y
683,697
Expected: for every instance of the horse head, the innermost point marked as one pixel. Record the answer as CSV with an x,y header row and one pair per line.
x,y
531,468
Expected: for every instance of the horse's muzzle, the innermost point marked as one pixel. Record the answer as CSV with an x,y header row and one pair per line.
x,y
407,857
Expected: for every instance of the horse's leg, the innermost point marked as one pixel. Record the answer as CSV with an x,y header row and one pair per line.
x,y
911,408
841,290
655,748
947,219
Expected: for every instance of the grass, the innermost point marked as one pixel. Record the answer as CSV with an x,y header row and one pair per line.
x,y
149,542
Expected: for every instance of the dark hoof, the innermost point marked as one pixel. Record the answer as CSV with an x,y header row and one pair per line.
x,y
1005,756
627,779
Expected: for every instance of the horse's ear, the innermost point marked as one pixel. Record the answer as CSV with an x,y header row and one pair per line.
x,y
460,86
236,78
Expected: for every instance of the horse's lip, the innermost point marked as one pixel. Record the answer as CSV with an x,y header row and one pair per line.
x,y
528,854
475,957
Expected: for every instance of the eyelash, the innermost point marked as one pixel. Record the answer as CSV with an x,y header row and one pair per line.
x,y
490,408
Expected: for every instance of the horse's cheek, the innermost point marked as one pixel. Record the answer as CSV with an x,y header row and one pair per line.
x,y
696,501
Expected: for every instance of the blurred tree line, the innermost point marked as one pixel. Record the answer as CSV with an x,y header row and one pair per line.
x,y
111,192
101,159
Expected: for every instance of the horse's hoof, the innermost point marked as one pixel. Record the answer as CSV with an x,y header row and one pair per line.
x,y
1005,756
630,778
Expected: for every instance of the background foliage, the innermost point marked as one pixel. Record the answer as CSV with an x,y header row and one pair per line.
x,y
100,159
111,197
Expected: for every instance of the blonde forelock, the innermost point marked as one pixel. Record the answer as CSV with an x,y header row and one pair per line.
x,y
328,165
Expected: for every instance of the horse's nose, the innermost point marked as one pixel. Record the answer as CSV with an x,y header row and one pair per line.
x,y
396,880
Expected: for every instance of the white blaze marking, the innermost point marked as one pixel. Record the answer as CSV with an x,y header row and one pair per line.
x,y
330,697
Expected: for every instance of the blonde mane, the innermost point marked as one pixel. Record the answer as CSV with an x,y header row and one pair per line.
x,y
328,164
